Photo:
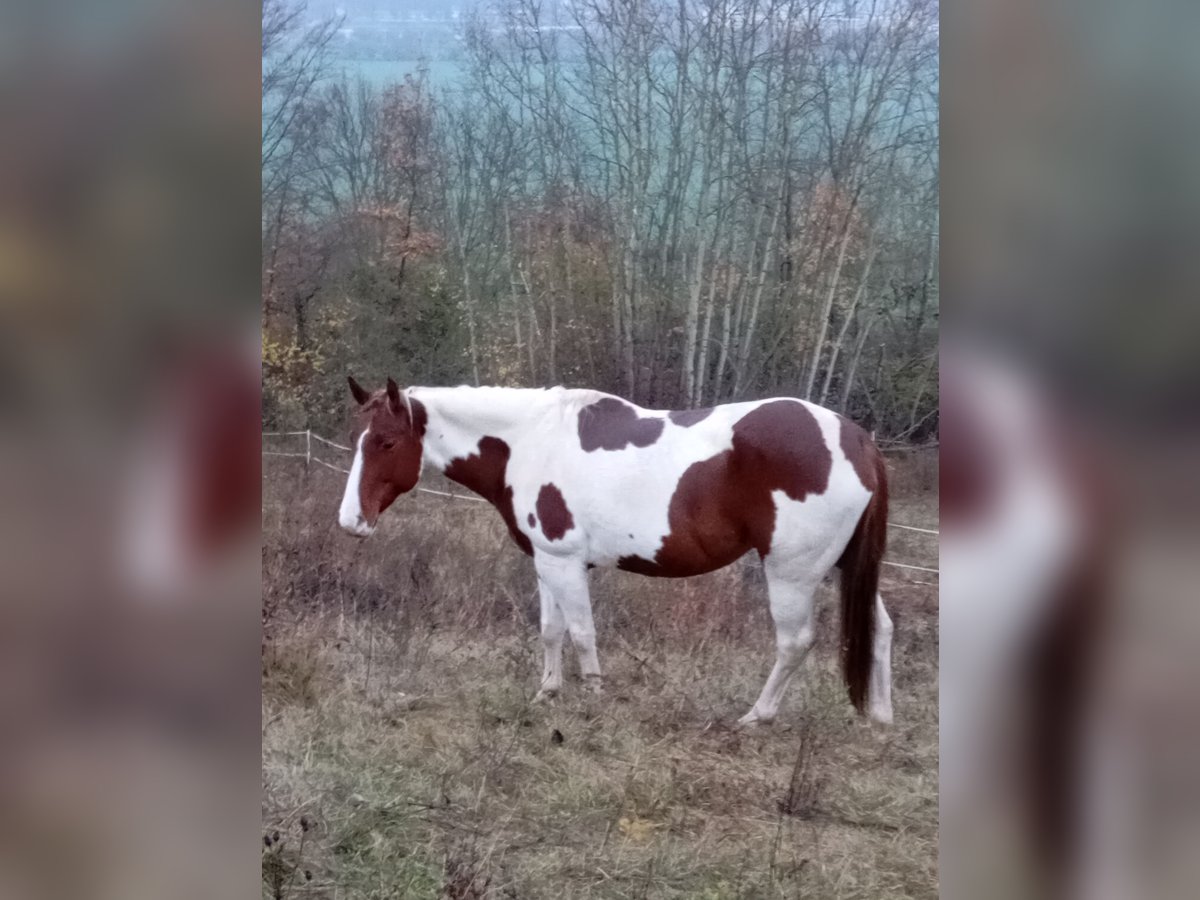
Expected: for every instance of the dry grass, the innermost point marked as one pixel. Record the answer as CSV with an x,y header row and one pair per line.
x,y
403,757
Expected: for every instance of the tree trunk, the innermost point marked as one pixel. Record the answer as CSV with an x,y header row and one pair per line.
x,y
852,369
836,350
827,307
748,337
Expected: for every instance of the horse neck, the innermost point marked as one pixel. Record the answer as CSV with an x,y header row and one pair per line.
x,y
458,418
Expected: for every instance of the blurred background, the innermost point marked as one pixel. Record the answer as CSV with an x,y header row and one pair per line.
x,y
129,399
1069,491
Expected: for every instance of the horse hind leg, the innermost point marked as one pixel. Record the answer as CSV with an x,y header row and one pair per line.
x,y
880,694
791,601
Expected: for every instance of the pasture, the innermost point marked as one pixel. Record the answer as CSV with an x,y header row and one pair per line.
x,y
403,756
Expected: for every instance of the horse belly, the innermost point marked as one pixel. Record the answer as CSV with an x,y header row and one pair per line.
x,y
690,552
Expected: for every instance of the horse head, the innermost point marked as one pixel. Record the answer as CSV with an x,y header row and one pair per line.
x,y
387,455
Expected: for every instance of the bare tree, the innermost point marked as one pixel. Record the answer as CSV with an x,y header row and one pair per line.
x,y
684,201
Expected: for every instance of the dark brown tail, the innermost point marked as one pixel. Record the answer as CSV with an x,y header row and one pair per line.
x,y
860,580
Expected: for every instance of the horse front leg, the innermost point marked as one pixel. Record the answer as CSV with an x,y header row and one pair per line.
x,y
566,580
554,627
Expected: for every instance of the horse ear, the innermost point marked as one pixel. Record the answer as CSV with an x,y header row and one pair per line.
x,y
398,400
360,395
393,395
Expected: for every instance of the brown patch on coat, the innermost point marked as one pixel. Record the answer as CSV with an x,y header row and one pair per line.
x,y
686,418
484,473
722,506
209,412
861,451
532,521
969,468
641,566
552,511
612,424
391,452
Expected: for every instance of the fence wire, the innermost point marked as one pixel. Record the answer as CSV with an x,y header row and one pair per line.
x,y
309,458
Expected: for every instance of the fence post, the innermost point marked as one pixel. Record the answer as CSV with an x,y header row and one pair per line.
x,y
307,447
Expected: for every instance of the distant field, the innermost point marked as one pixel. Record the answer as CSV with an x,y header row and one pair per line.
x,y
381,73
402,756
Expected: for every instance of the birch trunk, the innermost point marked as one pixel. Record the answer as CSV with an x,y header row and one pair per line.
x,y
836,350
852,369
748,337
827,306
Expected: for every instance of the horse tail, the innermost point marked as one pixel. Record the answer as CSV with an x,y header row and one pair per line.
x,y
860,580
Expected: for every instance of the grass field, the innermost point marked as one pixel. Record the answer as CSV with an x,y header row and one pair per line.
x,y
403,756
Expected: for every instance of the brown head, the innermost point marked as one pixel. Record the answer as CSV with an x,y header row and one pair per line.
x,y
387,455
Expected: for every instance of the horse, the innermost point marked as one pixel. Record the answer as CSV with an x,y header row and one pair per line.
x,y
584,479
193,493
1025,617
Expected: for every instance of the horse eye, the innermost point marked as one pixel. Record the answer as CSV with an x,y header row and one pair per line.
x,y
388,444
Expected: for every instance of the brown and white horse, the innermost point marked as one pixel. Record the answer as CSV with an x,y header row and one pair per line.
x,y
586,479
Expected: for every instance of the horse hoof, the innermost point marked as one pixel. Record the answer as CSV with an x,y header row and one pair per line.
x,y
880,716
594,686
544,696
752,720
